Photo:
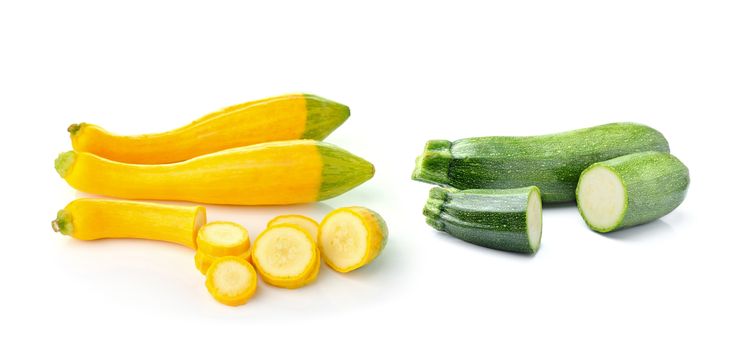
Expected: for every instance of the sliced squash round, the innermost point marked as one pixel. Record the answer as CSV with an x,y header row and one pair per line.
x,y
286,256
222,238
231,280
351,237
203,260
306,223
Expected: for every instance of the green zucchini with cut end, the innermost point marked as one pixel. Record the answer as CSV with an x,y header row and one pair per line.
x,y
552,162
631,190
499,219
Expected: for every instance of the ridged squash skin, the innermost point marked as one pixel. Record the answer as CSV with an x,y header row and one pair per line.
x,y
91,219
286,117
283,172
654,185
552,162
489,218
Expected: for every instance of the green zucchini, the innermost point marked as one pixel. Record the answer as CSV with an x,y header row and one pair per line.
x,y
631,190
550,162
499,219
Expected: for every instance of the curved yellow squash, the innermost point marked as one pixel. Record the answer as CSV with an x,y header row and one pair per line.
x,y
283,172
90,219
287,117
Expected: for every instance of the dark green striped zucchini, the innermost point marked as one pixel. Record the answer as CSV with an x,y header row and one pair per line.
x,y
550,162
631,190
499,219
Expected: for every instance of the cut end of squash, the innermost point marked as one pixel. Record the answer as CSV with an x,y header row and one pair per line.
x,y
323,116
64,162
601,198
306,223
63,223
534,219
231,280
221,238
285,256
433,165
351,237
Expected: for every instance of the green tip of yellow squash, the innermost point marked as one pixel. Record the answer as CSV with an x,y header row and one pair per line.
x,y
323,117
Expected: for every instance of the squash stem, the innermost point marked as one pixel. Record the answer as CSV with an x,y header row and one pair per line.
x,y
73,128
64,162
63,223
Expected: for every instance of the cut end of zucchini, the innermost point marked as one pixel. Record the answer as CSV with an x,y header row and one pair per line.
x,y
323,117
63,223
602,198
352,237
533,219
284,252
306,223
341,171
434,164
231,280
64,162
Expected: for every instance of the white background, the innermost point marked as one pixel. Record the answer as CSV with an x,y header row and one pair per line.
x,y
410,71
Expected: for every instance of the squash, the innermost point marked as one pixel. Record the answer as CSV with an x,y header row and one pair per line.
x,y
90,219
306,223
287,117
351,237
204,261
231,280
286,256
282,172
221,238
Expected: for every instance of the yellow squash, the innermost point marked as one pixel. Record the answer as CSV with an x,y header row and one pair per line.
x,y
283,172
90,219
306,223
351,237
286,256
231,280
203,260
287,117
221,238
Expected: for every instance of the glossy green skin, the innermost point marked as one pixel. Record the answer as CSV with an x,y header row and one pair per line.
x,y
655,184
551,162
489,218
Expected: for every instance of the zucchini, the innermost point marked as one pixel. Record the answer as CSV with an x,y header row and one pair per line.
x,y
631,190
550,162
499,219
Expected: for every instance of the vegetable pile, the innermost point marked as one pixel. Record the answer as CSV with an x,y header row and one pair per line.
x,y
620,175
265,152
